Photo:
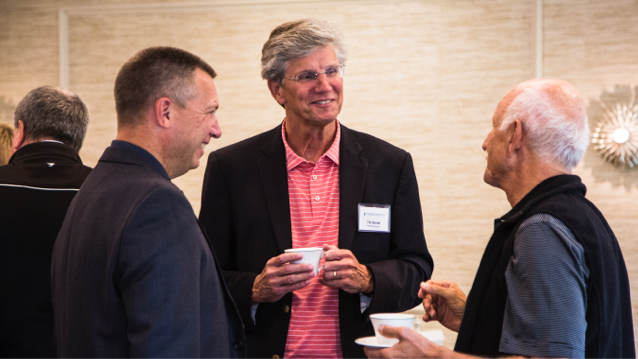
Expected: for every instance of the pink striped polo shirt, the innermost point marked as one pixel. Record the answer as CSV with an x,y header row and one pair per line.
x,y
313,189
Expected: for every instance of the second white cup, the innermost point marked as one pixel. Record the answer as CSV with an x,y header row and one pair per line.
x,y
392,319
311,255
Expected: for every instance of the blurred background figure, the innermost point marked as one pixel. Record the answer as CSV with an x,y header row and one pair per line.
x,y
6,141
36,188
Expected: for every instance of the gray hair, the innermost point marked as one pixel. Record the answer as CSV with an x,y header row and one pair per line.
x,y
555,133
53,112
152,73
296,40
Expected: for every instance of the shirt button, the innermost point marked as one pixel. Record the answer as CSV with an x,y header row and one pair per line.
x,y
286,309
317,198
238,345
314,176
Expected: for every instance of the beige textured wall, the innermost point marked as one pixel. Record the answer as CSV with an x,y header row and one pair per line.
x,y
423,75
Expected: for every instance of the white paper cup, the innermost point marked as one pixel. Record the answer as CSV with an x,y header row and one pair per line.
x,y
392,319
311,255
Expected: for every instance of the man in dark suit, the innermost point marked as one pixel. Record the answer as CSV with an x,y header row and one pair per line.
x,y
133,274
311,182
36,188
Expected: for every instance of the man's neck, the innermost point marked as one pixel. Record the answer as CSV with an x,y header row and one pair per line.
x,y
310,142
142,138
526,178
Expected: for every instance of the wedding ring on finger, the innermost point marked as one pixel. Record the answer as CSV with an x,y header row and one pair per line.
x,y
334,276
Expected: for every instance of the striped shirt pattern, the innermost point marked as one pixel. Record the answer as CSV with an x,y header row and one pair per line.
x,y
547,292
314,211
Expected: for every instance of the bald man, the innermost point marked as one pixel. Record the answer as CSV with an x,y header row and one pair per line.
x,y
552,281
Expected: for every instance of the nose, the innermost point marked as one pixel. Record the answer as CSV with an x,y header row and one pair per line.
x,y
322,83
216,130
485,142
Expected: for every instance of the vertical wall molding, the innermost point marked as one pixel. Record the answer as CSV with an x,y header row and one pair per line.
x,y
538,38
63,40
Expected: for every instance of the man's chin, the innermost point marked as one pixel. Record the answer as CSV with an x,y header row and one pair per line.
x,y
489,179
324,120
194,164
197,156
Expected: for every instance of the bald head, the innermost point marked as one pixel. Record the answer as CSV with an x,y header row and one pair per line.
x,y
554,119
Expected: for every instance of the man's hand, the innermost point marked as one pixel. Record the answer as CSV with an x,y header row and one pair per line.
x,y
342,270
280,277
414,345
443,301
411,345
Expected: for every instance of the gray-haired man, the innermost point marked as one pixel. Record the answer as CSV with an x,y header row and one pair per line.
x,y
36,188
552,281
310,182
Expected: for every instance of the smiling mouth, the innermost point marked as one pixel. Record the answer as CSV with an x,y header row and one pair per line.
x,y
323,102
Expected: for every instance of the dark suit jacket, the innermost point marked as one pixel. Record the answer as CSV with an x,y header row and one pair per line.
x,y
245,209
36,188
133,274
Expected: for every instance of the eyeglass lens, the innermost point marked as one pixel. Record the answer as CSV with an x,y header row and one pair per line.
x,y
329,72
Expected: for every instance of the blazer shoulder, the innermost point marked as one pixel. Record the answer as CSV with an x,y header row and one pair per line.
x,y
126,180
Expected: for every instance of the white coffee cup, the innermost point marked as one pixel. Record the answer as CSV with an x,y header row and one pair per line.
x,y
311,255
392,319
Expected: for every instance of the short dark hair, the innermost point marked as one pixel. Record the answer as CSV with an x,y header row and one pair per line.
x,y
53,112
153,73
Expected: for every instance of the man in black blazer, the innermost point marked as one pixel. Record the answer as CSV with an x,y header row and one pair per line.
x,y
250,207
133,274
36,187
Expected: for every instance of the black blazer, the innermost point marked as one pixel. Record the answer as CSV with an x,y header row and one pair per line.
x,y
133,274
245,210
36,188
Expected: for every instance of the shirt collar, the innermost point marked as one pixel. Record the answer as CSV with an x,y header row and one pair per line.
x,y
293,160
54,141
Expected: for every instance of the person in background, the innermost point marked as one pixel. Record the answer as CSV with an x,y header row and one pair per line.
x,y
133,274
311,182
552,281
36,188
6,142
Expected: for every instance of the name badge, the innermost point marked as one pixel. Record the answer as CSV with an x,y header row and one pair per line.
x,y
374,217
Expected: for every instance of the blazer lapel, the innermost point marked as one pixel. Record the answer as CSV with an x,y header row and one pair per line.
x,y
274,181
352,174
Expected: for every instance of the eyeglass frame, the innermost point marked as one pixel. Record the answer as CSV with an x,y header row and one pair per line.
x,y
342,70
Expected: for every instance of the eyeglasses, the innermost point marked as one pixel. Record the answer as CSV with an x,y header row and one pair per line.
x,y
330,72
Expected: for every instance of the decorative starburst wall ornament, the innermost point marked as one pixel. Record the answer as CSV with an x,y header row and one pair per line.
x,y
615,136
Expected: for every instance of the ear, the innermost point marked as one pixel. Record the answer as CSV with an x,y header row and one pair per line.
x,y
515,135
18,137
164,112
277,92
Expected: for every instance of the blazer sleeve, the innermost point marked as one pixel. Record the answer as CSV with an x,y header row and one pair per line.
x,y
397,278
216,219
159,281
